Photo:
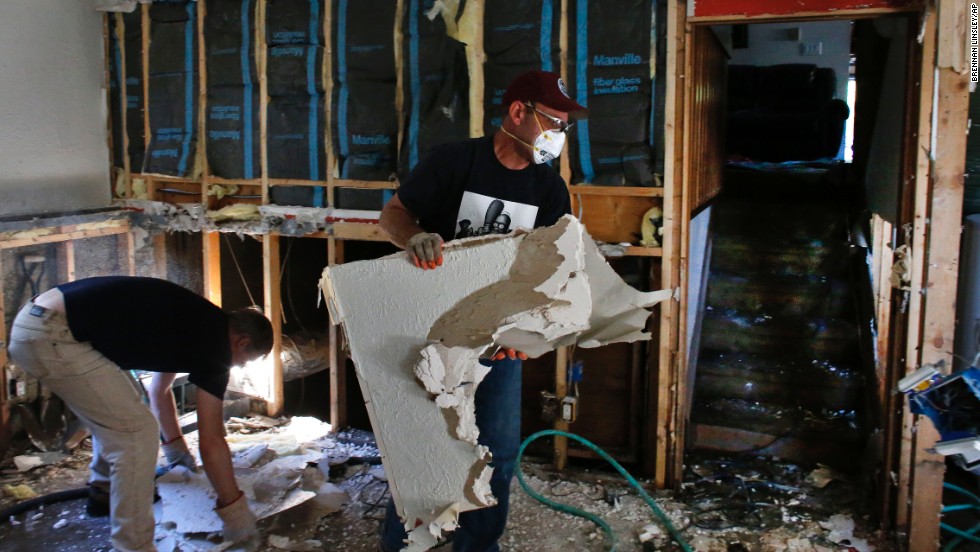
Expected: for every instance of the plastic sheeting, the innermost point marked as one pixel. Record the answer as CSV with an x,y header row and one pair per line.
x,y
173,88
517,36
294,31
233,130
366,121
436,84
611,46
366,124
116,117
132,58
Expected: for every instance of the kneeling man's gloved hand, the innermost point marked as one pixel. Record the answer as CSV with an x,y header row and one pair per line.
x,y
177,453
238,520
425,248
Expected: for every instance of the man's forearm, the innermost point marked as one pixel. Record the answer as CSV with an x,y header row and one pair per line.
x,y
164,407
214,449
217,465
398,222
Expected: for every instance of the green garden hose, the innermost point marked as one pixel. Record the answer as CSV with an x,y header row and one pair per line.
x,y
610,536
969,535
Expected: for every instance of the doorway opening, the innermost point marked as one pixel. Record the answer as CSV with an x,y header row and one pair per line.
x,y
781,335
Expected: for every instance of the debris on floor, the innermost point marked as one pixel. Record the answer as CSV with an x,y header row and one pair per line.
x,y
727,503
26,462
19,492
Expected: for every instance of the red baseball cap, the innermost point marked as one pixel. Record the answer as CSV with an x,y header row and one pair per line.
x,y
543,87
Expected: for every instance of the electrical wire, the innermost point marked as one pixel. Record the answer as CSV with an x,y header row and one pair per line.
x,y
239,268
33,279
178,191
564,508
289,286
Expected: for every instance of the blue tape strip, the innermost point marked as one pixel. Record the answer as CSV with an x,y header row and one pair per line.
x,y
653,83
247,90
123,87
314,123
189,33
415,83
342,99
123,95
547,15
582,86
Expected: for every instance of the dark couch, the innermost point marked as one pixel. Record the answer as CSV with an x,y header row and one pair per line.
x,y
784,112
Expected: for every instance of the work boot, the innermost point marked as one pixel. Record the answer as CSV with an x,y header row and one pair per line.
x,y
98,500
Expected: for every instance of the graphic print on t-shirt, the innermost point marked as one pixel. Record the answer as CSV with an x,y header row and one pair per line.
x,y
480,215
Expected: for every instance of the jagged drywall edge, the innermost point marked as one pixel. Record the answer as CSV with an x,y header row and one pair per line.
x,y
416,336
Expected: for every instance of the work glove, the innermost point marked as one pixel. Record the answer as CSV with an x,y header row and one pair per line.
x,y
425,249
177,453
238,521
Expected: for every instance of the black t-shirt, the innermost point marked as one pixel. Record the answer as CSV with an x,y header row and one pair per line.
x,y
153,325
461,189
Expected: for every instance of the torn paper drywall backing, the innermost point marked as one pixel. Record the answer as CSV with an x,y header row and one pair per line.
x,y
416,336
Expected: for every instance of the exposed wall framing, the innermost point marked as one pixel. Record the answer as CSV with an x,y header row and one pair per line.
x,y
612,214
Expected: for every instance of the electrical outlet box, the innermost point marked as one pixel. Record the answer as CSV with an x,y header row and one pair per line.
x,y
811,49
569,409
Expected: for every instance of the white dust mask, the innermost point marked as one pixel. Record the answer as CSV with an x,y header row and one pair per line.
x,y
547,146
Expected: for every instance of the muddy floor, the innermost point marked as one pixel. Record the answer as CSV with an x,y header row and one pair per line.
x,y
726,504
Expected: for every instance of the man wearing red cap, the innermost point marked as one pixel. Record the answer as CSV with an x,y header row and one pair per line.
x,y
487,185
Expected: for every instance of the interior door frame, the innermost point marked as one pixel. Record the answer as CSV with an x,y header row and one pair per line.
x,y
932,181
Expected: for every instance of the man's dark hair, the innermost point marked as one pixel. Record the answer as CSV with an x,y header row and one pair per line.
x,y
251,322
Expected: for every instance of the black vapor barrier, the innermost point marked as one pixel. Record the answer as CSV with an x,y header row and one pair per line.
x,y
233,130
126,88
173,88
132,59
294,31
611,47
436,84
517,36
366,122
117,109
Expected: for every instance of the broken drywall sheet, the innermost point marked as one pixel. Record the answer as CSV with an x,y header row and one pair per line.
x,y
188,498
416,338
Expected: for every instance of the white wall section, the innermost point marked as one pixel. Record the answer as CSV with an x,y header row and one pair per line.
x,y
776,43
53,150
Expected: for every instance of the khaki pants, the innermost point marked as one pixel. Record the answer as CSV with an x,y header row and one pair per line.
x,y
125,433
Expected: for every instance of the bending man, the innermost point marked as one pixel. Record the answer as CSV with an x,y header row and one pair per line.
x,y
80,338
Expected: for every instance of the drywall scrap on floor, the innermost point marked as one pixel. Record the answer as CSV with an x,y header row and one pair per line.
x,y
273,468
416,337
188,498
